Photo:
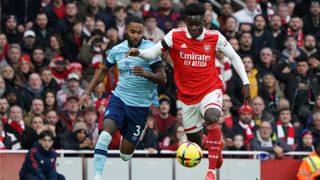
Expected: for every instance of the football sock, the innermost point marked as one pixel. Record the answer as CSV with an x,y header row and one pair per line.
x,y
101,152
214,145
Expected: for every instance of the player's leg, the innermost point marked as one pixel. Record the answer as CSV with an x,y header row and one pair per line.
x,y
101,148
210,110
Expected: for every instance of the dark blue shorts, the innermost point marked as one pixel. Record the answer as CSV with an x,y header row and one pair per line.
x,y
129,119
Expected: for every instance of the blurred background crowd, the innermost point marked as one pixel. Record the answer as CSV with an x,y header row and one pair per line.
x,y
49,50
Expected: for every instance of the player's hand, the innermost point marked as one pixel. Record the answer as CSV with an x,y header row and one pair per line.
x,y
133,52
247,95
139,71
84,100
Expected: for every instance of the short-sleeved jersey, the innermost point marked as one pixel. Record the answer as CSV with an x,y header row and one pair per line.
x,y
131,89
194,63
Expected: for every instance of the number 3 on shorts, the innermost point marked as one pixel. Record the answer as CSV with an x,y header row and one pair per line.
x,y
138,130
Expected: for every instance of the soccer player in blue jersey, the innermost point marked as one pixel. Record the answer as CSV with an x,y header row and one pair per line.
x,y
128,107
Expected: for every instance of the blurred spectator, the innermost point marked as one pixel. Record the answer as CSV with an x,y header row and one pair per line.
x,y
230,27
209,21
151,31
164,120
4,110
284,13
245,43
265,64
59,68
78,139
11,30
149,139
15,124
295,29
135,8
74,41
33,89
69,116
40,162
4,47
316,107
7,140
93,8
225,12
305,143
120,18
49,83
311,22
266,142
309,45
56,48
235,44
238,145
314,63
113,37
38,59
55,11
64,26
14,55
223,67
50,102
235,84
179,117
247,14
107,14
277,31
173,141
245,125
286,130
52,117
262,37
77,69
28,42
315,129
272,94
259,112
24,69
309,166
228,119
301,87
100,25
37,109
2,86
30,135
90,118
8,75
72,89
88,26
166,16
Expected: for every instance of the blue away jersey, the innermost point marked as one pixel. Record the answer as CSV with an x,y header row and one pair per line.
x,y
131,89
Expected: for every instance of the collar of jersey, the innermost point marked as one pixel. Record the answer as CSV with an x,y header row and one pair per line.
x,y
199,38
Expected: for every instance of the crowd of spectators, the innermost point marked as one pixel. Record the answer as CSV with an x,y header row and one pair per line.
x,y
49,50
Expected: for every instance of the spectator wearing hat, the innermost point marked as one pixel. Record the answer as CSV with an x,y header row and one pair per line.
x,y
305,144
40,162
11,30
28,42
314,63
4,47
164,120
310,45
38,59
76,68
41,28
311,20
151,31
68,116
24,69
33,89
245,125
78,139
265,141
60,69
301,87
72,88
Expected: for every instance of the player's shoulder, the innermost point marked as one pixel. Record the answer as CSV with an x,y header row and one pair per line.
x,y
212,32
119,47
146,43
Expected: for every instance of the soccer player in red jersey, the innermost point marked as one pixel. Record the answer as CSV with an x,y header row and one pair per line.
x,y
192,49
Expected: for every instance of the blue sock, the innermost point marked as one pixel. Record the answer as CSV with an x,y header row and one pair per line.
x,y
101,152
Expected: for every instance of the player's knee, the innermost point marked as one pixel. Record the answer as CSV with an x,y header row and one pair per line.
x,y
125,157
212,116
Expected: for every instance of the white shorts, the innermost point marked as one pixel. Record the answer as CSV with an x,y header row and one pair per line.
x,y
192,115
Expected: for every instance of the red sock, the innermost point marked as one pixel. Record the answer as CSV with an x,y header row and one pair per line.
x,y
214,144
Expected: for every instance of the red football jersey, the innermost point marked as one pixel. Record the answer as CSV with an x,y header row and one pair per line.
x,y
194,64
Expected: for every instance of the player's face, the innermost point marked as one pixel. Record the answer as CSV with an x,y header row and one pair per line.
x,y
194,25
134,33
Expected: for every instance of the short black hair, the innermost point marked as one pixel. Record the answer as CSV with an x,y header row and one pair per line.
x,y
194,9
134,19
45,133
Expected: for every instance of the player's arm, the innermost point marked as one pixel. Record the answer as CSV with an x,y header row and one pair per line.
x,y
155,51
224,46
157,75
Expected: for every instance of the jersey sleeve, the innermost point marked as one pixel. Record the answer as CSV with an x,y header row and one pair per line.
x,y
167,41
225,47
110,60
